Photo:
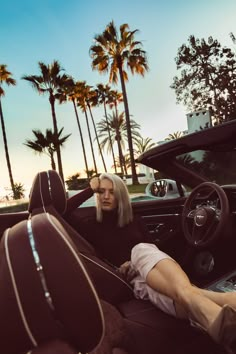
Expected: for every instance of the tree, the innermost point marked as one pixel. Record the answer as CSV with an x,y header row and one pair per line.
x,y
47,143
104,93
72,92
92,100
142,144
49,82
112,51
207,79
75,183
175,135
113,100
91,173
6,78
118,132
19,191
126,162
72,182
82,103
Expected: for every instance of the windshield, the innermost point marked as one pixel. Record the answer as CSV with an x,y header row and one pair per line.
x,y
216,166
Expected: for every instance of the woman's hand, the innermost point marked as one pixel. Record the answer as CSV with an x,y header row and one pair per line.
x,y
94,184
128,271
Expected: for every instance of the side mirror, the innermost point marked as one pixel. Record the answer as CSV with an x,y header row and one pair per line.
x,y
163,189
157,188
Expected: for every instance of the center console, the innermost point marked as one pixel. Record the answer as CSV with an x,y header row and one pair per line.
x,y
224,284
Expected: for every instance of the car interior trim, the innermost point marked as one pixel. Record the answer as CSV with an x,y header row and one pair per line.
x,y
49,185
83,269
161,215
20,307
41,194
39,266
107,270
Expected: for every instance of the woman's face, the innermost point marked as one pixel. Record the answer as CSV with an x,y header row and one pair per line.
x,y
106,196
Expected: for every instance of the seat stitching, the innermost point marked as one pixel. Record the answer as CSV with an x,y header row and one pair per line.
x,y
23,317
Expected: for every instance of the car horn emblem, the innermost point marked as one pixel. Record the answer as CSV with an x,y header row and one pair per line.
x,y
200,217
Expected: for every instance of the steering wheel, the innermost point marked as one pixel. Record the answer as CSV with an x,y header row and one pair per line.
x,y
203,221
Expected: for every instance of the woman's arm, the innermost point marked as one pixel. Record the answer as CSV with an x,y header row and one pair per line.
x,y
76,200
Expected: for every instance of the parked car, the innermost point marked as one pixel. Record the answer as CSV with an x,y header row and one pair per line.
x,y
196,228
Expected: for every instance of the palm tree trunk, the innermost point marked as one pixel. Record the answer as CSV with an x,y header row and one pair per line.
x,y
129,133
121,156
119,151
58,151
51,155
53,165
95,130
109,134
124,164
81,138
6,152
91,143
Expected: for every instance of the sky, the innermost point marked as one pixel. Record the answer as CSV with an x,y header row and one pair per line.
x,y
48,30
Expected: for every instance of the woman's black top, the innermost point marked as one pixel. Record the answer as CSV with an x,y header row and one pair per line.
x,y
113,243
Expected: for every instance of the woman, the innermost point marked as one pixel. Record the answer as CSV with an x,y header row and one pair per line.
x,y
116,234
113,231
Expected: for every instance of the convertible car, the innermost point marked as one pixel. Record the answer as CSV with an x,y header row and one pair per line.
x,y
57,296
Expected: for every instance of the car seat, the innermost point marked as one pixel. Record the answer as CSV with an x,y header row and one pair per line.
x,y
46,293
48,195
148,328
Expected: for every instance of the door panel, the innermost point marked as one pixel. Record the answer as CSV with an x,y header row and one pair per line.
x,y
162,219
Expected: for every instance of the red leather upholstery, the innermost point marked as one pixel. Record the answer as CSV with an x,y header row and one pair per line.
x,y
47,189
54,347
45,291
150,330
54,202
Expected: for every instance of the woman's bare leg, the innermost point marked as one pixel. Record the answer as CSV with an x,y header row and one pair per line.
x,y
204,307
168,278
221,299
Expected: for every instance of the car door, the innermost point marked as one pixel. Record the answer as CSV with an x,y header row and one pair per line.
x,y
161,220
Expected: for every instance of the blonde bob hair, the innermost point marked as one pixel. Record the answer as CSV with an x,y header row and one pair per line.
x,y
124,208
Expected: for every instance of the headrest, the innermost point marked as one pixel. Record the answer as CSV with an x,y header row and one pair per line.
x,y
47,189
45,290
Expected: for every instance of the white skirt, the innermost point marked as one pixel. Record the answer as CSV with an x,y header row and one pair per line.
x,y
144,257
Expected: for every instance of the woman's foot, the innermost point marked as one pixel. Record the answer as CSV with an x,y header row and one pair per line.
x,y
223,329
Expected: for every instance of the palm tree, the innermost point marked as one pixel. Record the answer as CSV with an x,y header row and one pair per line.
x,y
49,82
142,145
72,91
5,78
72,181
112,51
104,92
19,191
126,162
82,103
114,99
93,100
91,173
175,135
47,143
118,132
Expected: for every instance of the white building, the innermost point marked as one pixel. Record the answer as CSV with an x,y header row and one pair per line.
x,y
199,120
